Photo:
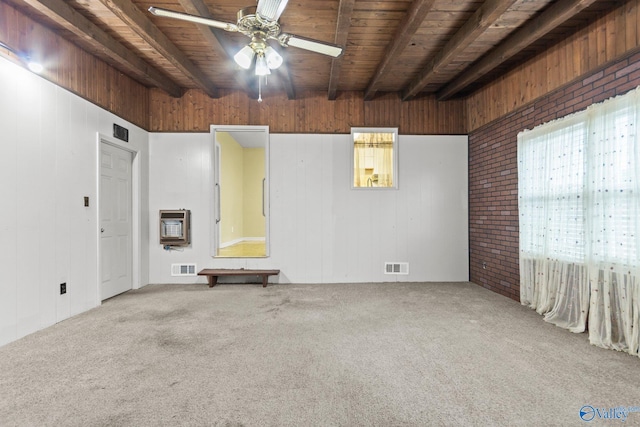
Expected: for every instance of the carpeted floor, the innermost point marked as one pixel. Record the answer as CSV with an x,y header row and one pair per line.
x,y
392,354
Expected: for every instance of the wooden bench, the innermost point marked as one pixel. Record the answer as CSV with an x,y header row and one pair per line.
x,y
213,274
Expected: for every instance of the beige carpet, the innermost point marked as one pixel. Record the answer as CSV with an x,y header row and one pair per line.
x,y
391,354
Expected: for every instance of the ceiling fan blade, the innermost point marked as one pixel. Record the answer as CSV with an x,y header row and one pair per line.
x,y
193,18
270,10
309,44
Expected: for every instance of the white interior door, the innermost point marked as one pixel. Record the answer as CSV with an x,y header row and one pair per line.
x,y
115,221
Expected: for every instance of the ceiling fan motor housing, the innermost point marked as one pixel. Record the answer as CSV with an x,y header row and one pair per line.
x,y
270,10
249,23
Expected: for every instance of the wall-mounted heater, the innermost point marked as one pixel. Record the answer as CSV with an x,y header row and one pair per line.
x,y
174,227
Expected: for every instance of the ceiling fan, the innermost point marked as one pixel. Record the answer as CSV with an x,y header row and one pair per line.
x,y
260,24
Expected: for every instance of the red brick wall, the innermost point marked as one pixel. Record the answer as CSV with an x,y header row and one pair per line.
x,y
493,172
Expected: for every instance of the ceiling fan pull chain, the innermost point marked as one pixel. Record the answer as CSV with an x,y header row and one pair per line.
x,y
259,89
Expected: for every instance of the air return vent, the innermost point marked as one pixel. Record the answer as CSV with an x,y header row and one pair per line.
x,y
183,269
396,268
120,133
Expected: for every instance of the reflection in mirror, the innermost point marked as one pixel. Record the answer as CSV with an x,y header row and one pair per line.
x,y
240,192
375,157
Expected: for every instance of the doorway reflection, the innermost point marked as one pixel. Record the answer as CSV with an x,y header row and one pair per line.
x,y
244,249
241,173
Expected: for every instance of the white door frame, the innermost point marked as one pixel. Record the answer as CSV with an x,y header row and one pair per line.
x,y
136,248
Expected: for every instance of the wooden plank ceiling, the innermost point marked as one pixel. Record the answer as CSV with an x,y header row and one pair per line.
x,y
410,47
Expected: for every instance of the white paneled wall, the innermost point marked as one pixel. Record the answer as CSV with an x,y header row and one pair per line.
x,y
180,178
321,230
48,163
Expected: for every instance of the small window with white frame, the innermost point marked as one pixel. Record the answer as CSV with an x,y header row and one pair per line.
x,y
374,155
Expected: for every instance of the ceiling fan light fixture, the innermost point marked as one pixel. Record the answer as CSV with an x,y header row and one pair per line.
x,y
260,24
270,10
274,60
262,69
244,57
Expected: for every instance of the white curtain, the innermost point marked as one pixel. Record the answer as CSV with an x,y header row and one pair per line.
x,y
384,164
359,175
579,206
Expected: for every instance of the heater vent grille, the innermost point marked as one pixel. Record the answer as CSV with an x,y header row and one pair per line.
x,y
183,269
396,268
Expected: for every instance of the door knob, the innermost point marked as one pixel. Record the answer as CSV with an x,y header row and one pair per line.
x,y
102,230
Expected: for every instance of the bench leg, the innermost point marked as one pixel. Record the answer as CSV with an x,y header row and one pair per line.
x,y
213,280
265,279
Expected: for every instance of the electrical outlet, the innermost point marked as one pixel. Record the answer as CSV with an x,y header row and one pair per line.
x,y
63,288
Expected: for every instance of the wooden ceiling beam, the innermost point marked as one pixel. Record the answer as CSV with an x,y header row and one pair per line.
x,y
146,29
285,79
218,40
479,22
411,22
345,10
552,17
68,18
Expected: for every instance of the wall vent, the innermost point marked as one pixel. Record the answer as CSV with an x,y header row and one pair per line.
x,y
396,268
183,269
120,133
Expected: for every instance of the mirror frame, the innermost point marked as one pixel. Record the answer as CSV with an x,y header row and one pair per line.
x,y
215,243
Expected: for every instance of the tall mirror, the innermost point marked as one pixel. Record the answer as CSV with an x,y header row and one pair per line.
x,y
241,205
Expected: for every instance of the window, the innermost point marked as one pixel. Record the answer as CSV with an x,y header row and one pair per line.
x,y
551,187
577,187
579,206
375,157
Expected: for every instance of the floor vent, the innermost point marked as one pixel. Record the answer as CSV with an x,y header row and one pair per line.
x,y
183,269
396,268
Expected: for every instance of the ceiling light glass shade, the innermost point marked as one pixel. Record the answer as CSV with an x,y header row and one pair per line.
x,y
35,67
262,69
244,58
270,10
274,60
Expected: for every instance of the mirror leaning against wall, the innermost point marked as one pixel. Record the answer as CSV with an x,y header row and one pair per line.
x,y
240,191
